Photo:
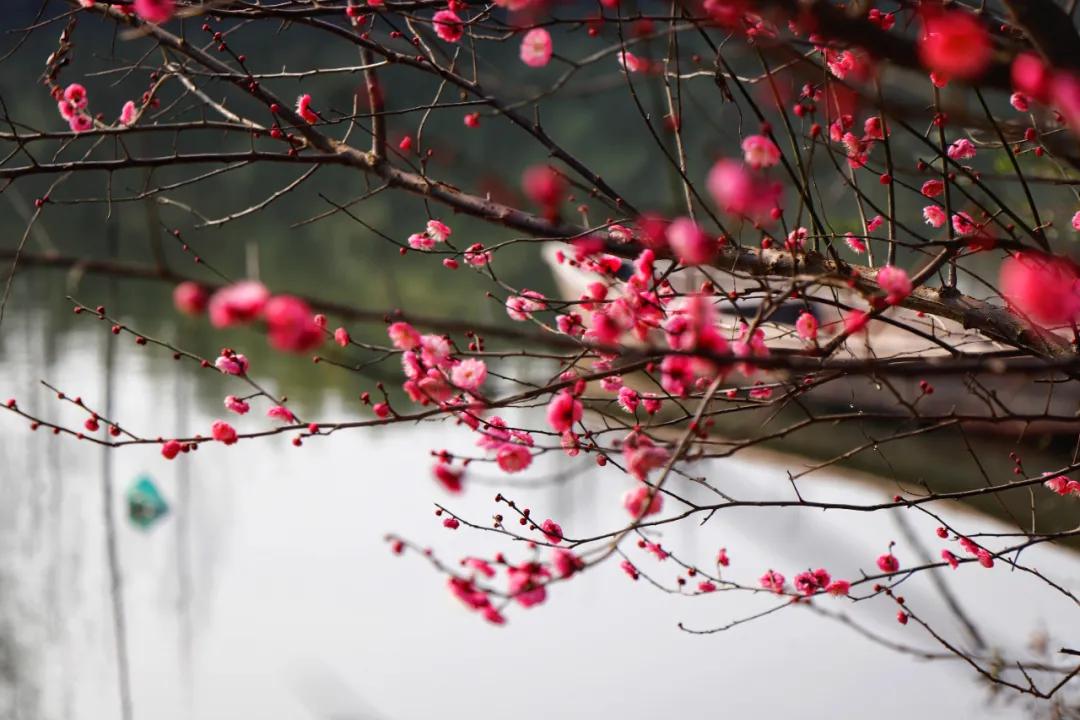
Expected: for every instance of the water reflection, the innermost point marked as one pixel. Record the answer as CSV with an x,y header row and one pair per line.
x,y
268,592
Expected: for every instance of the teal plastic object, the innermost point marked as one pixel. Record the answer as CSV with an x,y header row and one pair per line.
x,y
146,506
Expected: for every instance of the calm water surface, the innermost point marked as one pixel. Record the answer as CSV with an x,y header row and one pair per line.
x,y
268,592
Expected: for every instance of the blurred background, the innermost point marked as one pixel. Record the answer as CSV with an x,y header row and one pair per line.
x,y
265,589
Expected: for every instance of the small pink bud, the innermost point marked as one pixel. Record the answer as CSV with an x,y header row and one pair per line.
x,y
170,449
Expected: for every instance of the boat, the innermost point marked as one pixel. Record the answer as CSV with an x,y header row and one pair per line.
x,y
986,403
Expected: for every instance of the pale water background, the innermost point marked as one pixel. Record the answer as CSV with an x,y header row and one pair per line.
x,y
269,592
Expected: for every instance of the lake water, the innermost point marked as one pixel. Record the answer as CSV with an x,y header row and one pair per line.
x,y
269,592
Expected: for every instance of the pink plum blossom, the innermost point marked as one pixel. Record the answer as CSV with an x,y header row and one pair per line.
x,y
469,374
190,298
631,63
303,109
1063,485
807,326
962,149
476,256
642,456
895,282
155,11
465,591
934,216
932,188
773,581
435,350
232,363
963,224
223,432
240,302
634,501
536,48
872,128
544,186
170,449
236,405
527,584
282,413
76,95
421,241
1031,76
448,26
1044,288
760,152
552,531
955,43
521,307
128,114
481,566
628,399
888,563
66,109
403,336
513,458
291,325
839,588
855,321
563,411
565,563
809,583
448,477
736,190
438,231
690,243
80,123
796,240
857,244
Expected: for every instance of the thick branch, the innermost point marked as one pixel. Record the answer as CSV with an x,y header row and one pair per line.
x,y
779,360
1050,30
992,321
837,23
